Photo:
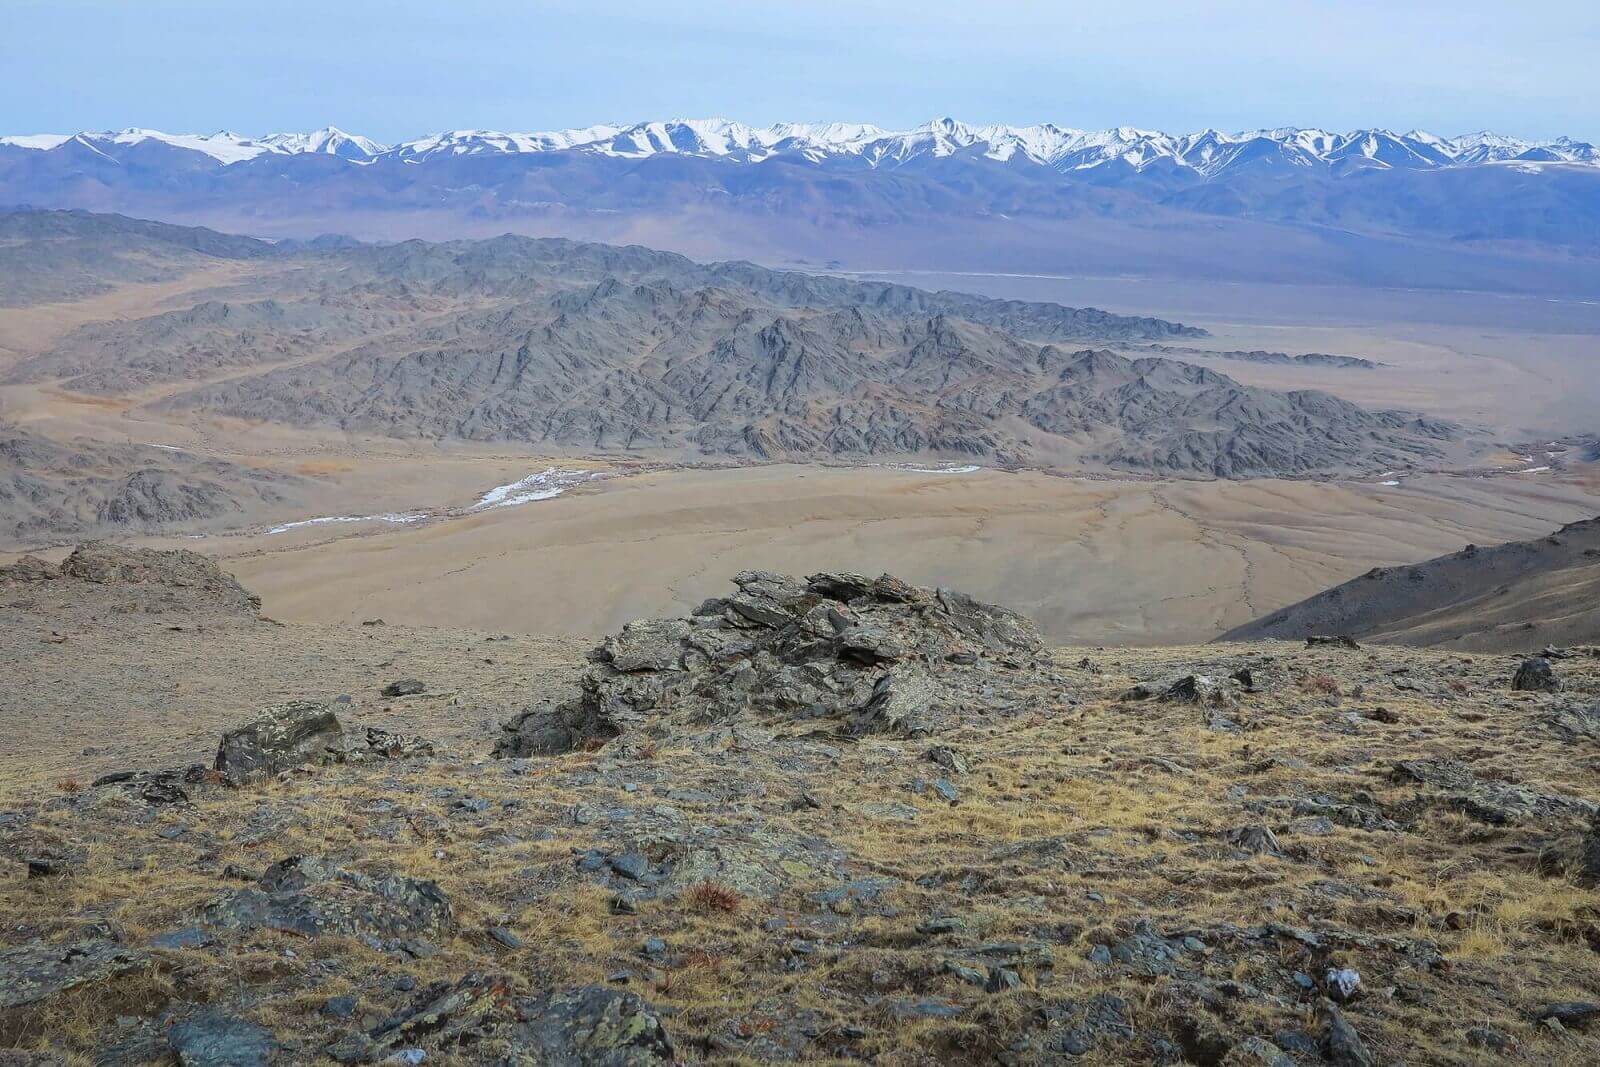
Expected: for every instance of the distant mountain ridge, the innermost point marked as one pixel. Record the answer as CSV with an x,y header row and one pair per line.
x,y
1369,208
1209,153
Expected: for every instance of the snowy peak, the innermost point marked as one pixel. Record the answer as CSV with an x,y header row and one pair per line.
x,y
1207,154
329,141
223,146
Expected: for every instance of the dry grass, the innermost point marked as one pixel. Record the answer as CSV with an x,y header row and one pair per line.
x,y
1072,825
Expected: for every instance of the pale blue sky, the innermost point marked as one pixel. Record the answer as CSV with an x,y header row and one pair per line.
x,y
400,68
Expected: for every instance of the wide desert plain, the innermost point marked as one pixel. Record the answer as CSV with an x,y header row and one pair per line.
x,y
1093,559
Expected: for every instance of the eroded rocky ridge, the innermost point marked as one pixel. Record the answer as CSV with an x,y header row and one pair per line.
x,y
577,346
841,652
52,490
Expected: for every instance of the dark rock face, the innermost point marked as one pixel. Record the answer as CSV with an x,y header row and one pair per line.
x,y
36,971
591,1027
1535,675
311,897
866,655
286,735
216,1040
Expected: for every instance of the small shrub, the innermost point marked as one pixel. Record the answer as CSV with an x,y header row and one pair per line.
x,y
1325,684
712,897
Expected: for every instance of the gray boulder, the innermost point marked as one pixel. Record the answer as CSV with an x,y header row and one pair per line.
x,y
1535,675
213,1039
36,971
286,735
590,1027
874,656
310,896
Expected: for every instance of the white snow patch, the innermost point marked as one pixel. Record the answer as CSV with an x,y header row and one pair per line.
x,y
1532,470
41,142
948,469
396,517
169,448
1389,482
550,482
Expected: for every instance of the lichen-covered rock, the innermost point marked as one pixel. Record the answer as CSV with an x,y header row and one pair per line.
x,y
1535,675
311,897
590,1027
444,1011
37,970
872,655
286,735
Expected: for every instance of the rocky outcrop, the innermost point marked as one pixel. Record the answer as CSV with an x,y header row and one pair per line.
x,y
310,896
84,488
286,735
592,1027
36,971
854,654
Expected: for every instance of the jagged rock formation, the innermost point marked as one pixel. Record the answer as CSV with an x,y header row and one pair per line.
x,y
841,651
581,346
57,491
1519,596
1258,355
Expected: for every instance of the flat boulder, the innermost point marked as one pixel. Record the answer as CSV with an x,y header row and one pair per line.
x,y
214,1039
286,735
37,971
311,897
591,1027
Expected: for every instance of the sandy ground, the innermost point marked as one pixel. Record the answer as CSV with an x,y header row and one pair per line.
x,y
1116,562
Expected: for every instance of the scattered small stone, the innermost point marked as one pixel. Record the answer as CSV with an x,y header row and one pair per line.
x,y
630,865
339,1007
1254,838
505,937
405,687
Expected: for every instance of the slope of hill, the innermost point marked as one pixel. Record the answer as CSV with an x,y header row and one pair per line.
x,y
47,256
826,819
51,489
1517,596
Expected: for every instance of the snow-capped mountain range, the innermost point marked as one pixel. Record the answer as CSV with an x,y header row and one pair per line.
x,y
1207,154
